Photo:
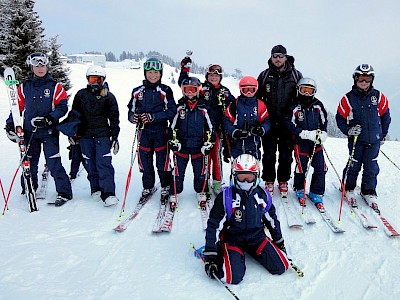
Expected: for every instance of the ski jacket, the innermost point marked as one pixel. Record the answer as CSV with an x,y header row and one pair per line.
x,y
245,113
156,99
243,219
41,97
368,109
99,114
277,87
310,117
191,123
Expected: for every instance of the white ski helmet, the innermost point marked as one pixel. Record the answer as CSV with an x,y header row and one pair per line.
x,y
96,71
245,171
306,87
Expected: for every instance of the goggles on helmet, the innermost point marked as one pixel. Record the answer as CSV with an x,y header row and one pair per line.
x,y
93,79
215,69
36,59
246,176
153,64
306,90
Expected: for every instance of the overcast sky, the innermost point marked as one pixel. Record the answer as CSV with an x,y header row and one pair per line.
x,y
237,34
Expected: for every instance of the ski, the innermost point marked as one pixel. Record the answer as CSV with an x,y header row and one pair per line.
x,y
142,201
165,218
387,227
328,220
160,218
11,84
204,214
43,185
293,219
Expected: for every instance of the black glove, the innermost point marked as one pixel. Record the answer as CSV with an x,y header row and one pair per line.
x,y
211,266
226,154
115,145
239,134
186,63
10,131
354,131
257,130
281,246
42,122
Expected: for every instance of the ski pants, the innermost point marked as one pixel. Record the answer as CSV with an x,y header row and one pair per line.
x,y
97,159
365,155
150,142
232,259
216,159
51,149
302,154
278,138
75,155
199,165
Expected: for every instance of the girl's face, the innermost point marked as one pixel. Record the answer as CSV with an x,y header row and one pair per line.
x,y
39,70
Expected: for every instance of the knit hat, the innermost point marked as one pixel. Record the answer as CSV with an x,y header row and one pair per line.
x,y
278,49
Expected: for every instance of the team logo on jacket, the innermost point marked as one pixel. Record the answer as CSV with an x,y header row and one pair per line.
x,y
255,111
268,88
182,114
374,100
238,215
140,95
300,115
207,95
47,93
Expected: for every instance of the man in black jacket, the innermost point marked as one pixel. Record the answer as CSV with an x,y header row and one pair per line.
x,y
276,86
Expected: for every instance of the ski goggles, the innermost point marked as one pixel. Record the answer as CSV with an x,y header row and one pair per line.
x,y
248,90
215,69
155,65
246,176
366,79
190,89
93,79
280,55
37,59
306,90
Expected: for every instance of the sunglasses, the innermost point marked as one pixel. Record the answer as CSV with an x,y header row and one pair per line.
x,y
39,60
215,69
249,177
364,80
92,79
190,89
306,90
155,65
280,55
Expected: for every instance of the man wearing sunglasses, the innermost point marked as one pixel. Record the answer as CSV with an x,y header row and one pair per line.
x,y
277,86
217,98
363,115
43,102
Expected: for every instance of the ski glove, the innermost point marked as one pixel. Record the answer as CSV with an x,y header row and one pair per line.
x,y
322,137
239,134
186,63
146,118
257,131
42,122
308,135
10,132
281,246
73,140
211,266
226,154
206,149
354,131
115,145
175,145
135,118
383,140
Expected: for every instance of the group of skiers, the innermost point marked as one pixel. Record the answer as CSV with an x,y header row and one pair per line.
x,y
278,111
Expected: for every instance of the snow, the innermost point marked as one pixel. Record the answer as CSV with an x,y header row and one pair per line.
x,y
71,252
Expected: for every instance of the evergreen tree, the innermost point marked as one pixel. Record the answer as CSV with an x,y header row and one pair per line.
x,y
25,36
58,70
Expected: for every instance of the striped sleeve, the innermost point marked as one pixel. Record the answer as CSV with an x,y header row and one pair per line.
x,y
59,94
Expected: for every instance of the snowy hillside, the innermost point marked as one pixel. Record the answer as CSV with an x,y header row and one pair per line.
x,y
71,252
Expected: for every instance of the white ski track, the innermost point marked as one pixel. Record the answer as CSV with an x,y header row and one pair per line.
x,y
121,227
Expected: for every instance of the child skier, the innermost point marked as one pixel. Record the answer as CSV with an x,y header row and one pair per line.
x,y
245,208
192,134
246,120
151,106
308,123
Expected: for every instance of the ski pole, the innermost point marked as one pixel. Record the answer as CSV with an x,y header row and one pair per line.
x,y
389,159
136,141
9,190
215,276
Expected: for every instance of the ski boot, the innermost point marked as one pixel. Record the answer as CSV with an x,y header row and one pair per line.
x,y
300,197
62,199
202,200
317,200
173,202
96,196
283,189
370,199
110,200
164,195
352,199
270,187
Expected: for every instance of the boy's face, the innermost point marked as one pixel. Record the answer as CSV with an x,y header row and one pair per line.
x,y
214,78
153,76
363,82
39,70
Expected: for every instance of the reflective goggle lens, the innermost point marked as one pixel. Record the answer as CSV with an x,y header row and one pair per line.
x,y
248,89
190,89
280,55
249,177
215,69
95,79
366,79
306,90
155,65
39,60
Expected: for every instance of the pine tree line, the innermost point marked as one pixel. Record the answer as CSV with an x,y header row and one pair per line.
x,y
21,33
